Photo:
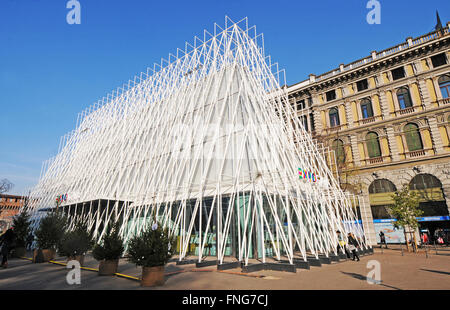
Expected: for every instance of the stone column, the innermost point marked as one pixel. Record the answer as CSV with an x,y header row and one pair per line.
x,y
384,105
355,150
435,135
316,113
425,94
349,114
392,143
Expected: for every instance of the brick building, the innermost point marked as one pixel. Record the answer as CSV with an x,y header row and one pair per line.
x,y
10,205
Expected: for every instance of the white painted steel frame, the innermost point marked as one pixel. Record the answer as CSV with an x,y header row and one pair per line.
x,y
155,145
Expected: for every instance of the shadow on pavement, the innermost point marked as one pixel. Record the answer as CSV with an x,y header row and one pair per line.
x,y
364,278
436,271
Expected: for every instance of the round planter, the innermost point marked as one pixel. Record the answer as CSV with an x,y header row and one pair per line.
x,y
152,276
108,267
43,255
79,258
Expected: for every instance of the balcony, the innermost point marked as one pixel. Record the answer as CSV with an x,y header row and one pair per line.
x,y
406,111
417,153
375,160
367,120
442,102
335,128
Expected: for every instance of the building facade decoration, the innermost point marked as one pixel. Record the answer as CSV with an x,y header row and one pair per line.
x,y
391,113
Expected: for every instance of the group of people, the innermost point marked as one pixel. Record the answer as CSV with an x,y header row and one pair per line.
x,y
352,245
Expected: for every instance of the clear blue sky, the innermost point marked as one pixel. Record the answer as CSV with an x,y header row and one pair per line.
x,y
50,70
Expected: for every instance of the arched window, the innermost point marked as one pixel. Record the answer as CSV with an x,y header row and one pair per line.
x,y
424,181
381,186
338,147
334,117
377,187
366,108
412,136
404,99
373,145
444,85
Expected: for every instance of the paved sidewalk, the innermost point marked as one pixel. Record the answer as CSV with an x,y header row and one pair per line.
x,y
411,271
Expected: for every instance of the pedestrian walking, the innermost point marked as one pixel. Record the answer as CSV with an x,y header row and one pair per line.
x,y
342,244
7,244
353,246
383,239
424,238
436,234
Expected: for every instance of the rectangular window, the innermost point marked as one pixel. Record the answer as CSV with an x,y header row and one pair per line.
x,y
304,121
362,85
439,60
331,95
300,105
398,73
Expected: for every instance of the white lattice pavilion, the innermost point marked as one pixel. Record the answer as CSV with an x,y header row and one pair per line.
x,y
208,142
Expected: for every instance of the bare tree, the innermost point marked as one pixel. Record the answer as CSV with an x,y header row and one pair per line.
x,y
5,186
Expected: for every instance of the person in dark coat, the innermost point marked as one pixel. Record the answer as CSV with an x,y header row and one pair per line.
x,y
7,244
383,239
353,246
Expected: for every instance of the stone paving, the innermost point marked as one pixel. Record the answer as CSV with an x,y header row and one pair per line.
x,y
398,272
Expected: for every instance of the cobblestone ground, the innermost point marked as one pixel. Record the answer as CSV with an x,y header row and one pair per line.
x,y
398,272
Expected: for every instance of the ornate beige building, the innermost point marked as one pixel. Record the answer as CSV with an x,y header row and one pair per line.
x,y
387,117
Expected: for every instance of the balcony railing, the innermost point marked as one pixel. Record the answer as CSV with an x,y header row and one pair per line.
x,y
417,153
375,160
368,120
442,101
406,111
385,53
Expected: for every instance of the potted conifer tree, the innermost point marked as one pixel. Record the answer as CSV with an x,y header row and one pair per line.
x,y
48,236
108,251
152,249
75,243
21,224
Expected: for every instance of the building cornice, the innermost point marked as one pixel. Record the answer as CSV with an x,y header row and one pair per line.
x,y
385,58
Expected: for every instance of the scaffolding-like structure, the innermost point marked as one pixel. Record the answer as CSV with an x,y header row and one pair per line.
x,y
207,143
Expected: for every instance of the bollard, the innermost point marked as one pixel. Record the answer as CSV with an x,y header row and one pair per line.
x,y
402,250
435,248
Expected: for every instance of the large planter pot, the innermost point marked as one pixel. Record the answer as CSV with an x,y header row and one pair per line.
x,y
108,267
20,252
43,255
79,258
152,276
